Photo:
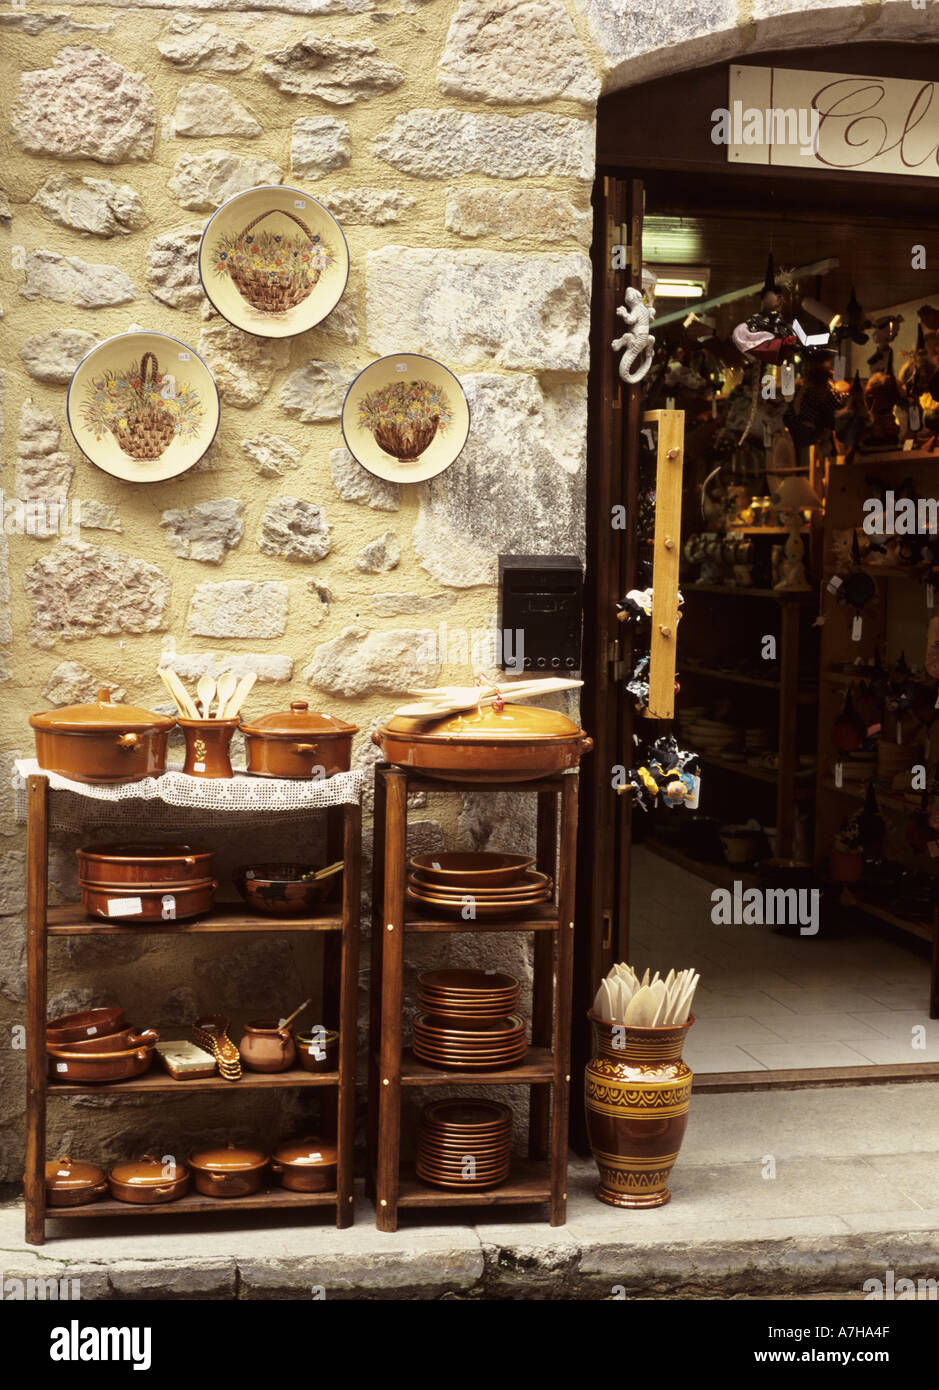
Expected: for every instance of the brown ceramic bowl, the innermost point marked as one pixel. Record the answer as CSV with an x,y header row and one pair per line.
x,y
87,1023
147,865
171,902
482,869
298,743
76,1068
70,1183
280,890
229,1171
329,1044
306,1165
143,1182
514,744
466,1116
102,742
125,1041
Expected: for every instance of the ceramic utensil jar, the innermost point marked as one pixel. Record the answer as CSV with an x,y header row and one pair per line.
x,y
207,744
298,743
102,742
267,1047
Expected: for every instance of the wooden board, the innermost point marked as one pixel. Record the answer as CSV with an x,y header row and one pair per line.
x,y
195,1202
527,1182
666,555
72,920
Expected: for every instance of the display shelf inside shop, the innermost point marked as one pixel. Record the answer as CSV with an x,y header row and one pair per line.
x,y
540,1179
49,803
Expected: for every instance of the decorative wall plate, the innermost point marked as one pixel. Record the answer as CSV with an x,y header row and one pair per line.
x,y
405,418
273,261
143,406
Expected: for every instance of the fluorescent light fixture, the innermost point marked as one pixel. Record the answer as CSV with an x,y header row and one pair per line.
x,y
681,281
678,289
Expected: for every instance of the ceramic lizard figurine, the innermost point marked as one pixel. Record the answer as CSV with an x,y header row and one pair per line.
x,y
638,342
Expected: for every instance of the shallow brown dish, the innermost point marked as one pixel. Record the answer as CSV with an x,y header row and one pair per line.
x,y
484,867
528,883
514,744
71,1183
298,743
466,1116
102,742
232,1171
79,1067
131,903
484,911
87,1023
280,890
144,1182
145,864
125,1041
305,1165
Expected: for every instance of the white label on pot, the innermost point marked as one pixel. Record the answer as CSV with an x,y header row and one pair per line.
x,y
124,907
61,1066
198,767
315,1158
91,1031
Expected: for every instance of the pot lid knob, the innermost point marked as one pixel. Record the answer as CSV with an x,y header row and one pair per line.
x,y
298,706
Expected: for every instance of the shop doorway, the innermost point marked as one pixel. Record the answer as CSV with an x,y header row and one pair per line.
x,y
761,714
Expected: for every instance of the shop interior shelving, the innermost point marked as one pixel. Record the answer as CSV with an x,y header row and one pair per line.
x,y
541,1178
340,926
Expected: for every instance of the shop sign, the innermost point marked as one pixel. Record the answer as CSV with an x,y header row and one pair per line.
x,y
830,120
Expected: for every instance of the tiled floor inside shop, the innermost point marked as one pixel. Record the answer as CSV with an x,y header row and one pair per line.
x,y
769,1001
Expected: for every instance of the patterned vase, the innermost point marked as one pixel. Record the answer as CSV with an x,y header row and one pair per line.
x,y
637,1091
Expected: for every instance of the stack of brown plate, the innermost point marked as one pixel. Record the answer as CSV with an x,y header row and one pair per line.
x,y
464,1143
491,885
470,1044
98,1045
472,994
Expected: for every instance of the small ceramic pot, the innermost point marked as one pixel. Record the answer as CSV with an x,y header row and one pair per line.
x,y
102,742
171,902
207,743
229,1171
147,865
305,1165
298,743
326,1045
125,1041
266,1047
87,1023
144,1182
280,890
637,1093
73,1184
79,1067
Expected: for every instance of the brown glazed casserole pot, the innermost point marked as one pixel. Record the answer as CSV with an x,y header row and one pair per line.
x,y
171,902
513,744
70,1183
305,1165
102,742
147,865
78,1067
87,1023
232,1171
144,1182
297,742
125,1041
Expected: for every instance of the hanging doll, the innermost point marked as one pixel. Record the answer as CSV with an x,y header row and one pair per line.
x,y
853,420
853,321
881,394
885,330
810,418
767,335
665,771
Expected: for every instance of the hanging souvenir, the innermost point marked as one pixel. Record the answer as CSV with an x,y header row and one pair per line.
x,y
405,418
886,329
852,323
637,342
143,406
668,772
853,420
848,733
273,261
881,394
811,416
857,591
767,335
638,684
636,607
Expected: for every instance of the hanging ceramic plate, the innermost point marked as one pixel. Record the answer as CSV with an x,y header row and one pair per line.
x,y
143,406
405,418
273,261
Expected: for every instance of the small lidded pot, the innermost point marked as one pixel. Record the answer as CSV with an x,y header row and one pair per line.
x,y
267,1047
102,742
298,743
232,1171
71,1183
305,1165
318,1050
148,1181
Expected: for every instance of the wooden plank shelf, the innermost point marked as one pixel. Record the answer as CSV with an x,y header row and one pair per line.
x,y
894,801
686,668
544,917
528,1182
159,1082
738,591
803,787
72,920
924,930
275,1198
537,1068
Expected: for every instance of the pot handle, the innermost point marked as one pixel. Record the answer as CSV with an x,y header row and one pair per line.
x,y
586,744
276,1167
141,1054
161,1190
286,1037
128,740
376,738
100,1188
189,861
144,1039
219,1178
304,748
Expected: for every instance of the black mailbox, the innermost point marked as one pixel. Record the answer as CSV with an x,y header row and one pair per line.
x,y
540,612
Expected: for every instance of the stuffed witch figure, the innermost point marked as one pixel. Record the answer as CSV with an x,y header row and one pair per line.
x,y
767,335
810,418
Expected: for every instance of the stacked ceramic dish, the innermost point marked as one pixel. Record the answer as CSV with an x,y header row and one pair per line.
x,y
470,1044
464,1143
473,994
98,1045
134,882
712,735
484,885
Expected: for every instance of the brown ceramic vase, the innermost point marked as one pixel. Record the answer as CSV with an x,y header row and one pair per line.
x,y
637,1091
207,743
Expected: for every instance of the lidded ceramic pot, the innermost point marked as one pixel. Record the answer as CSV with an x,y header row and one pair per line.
x,y
146,1182
102,741
298,743
231,1170
306,1165
71,1183
512,743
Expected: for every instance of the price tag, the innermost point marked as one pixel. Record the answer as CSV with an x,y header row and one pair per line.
x,y
839,776
91,1031
299,203
857,628
930,596
788,380
183,356
834,584
61,1066
124,907
915,419
198,767
839,366
401,366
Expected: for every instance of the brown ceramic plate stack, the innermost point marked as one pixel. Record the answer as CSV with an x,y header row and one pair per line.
x,y
491,885
472,994
144,882
464,1143
97,1045
470,1044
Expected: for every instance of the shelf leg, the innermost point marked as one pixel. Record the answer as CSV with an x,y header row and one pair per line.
x,y
788,730
348,1010
543,979
375,977
563,990
37,865
934,969
392,990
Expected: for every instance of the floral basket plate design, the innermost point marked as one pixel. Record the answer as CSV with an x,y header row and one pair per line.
x,y
405,418
273,261
143,407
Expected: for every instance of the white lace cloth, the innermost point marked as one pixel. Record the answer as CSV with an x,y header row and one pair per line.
x,y
175,800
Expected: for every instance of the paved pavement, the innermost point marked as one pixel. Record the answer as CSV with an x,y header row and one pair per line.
x,y
785,1193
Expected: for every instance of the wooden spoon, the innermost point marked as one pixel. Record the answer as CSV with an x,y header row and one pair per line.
x,y
205,693
242,691
305,1005
328,871
179,692
227,685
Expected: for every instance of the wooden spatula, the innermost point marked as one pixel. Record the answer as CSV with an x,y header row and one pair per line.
x,y
227,685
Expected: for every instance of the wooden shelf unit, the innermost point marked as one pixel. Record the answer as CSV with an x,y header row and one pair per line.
x,y
340,986
541,1179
